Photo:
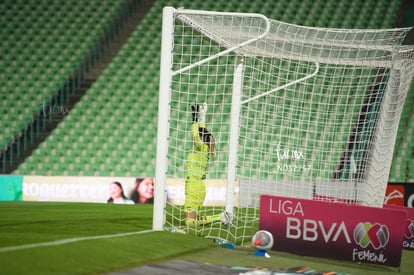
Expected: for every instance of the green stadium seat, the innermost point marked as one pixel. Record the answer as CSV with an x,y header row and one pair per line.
x,y
120,110
28,31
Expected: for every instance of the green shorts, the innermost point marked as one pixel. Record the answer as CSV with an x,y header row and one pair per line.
x,y
195,193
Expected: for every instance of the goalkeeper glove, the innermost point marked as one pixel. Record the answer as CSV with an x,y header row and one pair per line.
x,y
194,111
203,111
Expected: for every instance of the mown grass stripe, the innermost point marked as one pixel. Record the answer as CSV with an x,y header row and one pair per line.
x,y
71,240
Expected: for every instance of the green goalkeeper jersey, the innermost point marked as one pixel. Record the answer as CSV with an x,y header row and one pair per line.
x,y
197,159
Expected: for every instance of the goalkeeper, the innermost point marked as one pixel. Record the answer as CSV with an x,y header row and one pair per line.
x,y
196,169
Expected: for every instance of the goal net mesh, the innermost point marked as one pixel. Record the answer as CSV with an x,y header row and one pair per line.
x,y
319,112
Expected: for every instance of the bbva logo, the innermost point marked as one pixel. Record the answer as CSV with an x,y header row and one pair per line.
x,y
376,234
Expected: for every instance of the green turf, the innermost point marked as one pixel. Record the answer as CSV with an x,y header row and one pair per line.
x,y
23,223
28,223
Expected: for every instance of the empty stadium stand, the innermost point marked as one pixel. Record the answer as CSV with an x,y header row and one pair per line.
x,y
47,49
112,129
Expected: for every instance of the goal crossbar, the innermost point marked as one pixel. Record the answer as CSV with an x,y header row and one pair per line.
x,y
309,46
210,34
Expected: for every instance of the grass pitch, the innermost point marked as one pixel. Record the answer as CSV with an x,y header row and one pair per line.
x,y
81,238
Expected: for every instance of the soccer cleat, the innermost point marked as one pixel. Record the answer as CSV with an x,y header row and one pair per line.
x,y
227,219
177,230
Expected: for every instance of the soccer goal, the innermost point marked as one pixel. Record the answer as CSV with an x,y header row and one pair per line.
x,y
295,111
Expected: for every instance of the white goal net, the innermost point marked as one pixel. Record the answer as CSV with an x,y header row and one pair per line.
x,y
295,111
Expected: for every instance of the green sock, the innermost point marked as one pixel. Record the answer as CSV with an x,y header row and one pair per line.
x,y
203,220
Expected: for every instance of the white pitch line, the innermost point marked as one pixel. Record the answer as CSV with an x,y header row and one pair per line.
x,y
72,240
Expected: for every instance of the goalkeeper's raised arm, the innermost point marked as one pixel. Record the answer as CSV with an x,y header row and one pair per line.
x,y
203,140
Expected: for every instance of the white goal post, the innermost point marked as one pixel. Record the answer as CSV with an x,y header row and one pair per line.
x,y
295,111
